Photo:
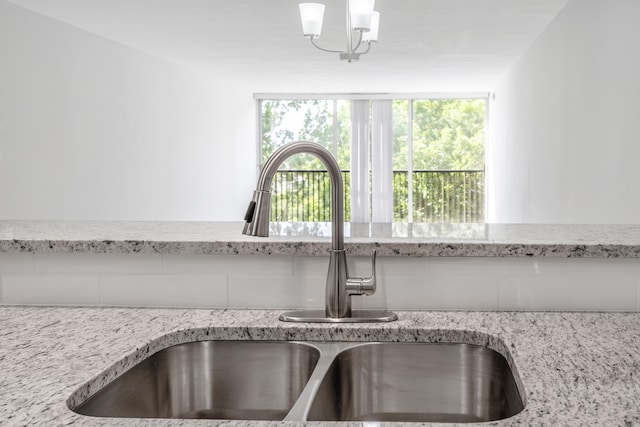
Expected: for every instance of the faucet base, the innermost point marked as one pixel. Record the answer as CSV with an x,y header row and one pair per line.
x,y
357,316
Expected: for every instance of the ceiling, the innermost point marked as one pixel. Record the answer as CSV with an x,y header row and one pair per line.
x,y
424,45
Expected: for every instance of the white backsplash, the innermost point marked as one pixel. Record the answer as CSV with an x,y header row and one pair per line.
x,y
284,282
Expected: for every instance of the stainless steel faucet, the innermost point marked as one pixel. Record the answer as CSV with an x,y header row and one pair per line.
x,y
340,287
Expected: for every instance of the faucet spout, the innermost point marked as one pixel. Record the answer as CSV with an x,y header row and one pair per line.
x,y
339,286
257,218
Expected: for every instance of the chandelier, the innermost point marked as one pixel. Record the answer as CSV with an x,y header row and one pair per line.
x,y
362,27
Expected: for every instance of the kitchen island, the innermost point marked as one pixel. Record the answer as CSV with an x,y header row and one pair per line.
x,y
476,267
573,368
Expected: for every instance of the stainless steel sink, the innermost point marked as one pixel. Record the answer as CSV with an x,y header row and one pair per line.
x,y
417,383
323,381
210,379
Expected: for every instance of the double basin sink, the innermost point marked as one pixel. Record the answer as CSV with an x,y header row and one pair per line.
x,y
314,381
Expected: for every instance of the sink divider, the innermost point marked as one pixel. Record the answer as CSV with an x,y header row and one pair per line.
x,y
328,352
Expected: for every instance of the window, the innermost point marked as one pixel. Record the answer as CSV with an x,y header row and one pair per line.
x,y
409,159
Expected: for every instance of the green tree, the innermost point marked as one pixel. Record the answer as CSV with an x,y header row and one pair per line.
x,y
285,121
304,196
448,134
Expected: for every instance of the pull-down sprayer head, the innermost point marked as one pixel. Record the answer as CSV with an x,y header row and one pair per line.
x,y
257,216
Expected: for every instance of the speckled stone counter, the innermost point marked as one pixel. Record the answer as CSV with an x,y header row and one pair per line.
x,y
491,240
575,369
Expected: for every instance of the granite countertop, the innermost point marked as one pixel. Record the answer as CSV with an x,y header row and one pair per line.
x,y
398,239
575,368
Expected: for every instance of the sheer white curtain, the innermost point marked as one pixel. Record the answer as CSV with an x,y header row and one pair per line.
x,y
360,188
371,161
381,161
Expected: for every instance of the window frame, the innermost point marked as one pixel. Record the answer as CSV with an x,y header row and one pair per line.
x,y
335,97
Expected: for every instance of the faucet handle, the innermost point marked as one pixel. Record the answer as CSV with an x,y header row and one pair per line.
x,y
363,285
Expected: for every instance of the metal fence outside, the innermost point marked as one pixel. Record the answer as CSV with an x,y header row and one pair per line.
x,y
445,196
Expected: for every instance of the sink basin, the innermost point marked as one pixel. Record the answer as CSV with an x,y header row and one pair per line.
x,y
416,383
210,379
311,381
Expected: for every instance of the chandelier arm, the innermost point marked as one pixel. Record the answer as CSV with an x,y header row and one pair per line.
x,y
323,49
359,42
367,49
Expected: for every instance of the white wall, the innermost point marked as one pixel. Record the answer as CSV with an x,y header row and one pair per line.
x,y
90,129
565,135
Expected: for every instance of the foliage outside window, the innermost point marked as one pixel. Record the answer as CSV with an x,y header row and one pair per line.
x,y
438,161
